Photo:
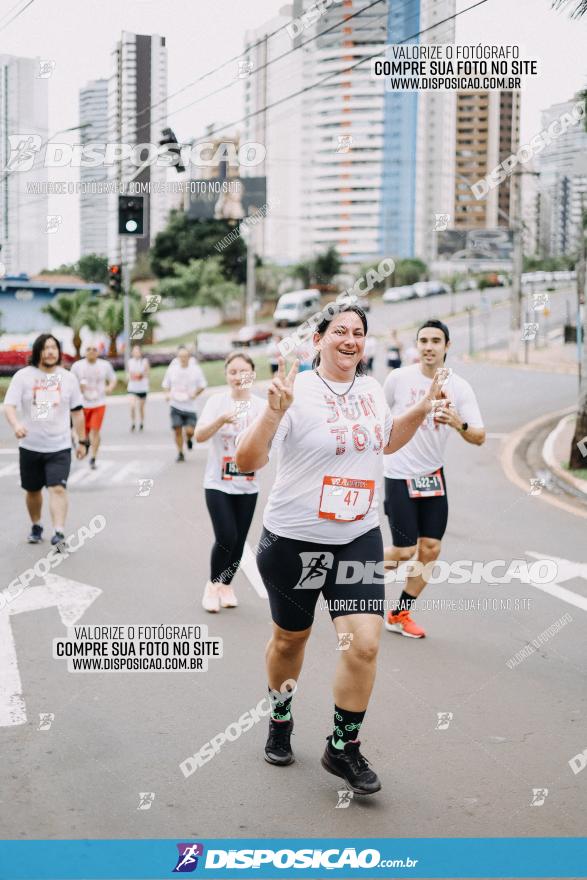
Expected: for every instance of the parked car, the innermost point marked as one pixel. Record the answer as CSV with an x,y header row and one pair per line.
x,y
466,284
254,334
293,308
399,294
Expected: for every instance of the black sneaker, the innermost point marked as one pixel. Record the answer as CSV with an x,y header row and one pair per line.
x,y
140,427
93,463
278,748
36,535
189,443
180,457
351,766
58,540
132,427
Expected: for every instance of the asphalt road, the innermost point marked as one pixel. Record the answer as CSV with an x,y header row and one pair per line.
x,y
115,735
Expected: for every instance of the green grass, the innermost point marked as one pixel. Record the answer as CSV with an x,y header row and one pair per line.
x,y
213,371
580,473
188,338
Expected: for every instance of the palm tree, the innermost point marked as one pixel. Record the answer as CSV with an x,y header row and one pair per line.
x,y
580,6
75,310
110,317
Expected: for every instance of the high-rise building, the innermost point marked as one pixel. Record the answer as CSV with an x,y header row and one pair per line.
x,y
419,138
487,132
137,114
24,203
562,185
93,117
353,166
280,129
343,130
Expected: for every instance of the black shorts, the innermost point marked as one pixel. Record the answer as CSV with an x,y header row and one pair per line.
x,y
413,518
181,419
287,567
141,394
38,469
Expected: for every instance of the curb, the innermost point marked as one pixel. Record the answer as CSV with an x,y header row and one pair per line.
x,y
508,454
552,463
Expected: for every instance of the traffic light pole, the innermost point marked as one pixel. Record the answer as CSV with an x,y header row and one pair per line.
x,y
125,299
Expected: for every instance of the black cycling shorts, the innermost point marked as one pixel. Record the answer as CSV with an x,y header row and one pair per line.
x,y
413,518
38,469
297,573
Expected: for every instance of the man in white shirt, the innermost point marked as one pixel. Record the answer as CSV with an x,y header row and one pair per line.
x,y
96,378
45,394
184,381
416,502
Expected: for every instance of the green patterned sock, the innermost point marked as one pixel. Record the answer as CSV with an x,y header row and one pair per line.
x,y
346,727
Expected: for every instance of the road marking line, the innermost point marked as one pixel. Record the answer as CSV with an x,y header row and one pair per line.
x,y
563,594
72,599
250,570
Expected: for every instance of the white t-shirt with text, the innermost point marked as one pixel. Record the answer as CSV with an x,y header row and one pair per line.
x,y
182,382
329,453
93,379
424,453
44,401
138,377
221,471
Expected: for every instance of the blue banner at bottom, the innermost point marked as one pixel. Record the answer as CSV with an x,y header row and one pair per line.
x,y
550,857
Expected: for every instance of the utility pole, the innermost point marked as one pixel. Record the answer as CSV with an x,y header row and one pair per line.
x,y
125,299
517,266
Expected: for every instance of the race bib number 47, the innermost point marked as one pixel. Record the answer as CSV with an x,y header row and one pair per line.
x,y
345,499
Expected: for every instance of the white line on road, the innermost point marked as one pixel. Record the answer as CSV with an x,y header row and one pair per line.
x,y
128,447
72,599
567,570
250,570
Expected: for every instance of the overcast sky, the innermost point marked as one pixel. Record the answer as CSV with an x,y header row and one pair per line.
x,y
79,36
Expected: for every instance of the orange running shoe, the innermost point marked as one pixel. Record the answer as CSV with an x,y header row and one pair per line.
x,y
403,624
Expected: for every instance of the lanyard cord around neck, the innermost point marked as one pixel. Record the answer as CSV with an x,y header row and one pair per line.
x,y
332,389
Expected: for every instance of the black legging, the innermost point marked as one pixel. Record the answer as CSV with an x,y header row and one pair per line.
x,y
231,517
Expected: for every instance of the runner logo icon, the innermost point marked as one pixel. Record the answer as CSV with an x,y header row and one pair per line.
x,y
187,860
315,568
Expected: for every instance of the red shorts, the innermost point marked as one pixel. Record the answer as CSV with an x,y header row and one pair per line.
x,y
94,418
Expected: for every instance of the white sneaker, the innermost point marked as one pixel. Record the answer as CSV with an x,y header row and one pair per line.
x,y
227,597
211,600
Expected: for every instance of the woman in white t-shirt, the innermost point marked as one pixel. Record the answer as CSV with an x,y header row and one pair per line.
x,y
231,496
321,527
138,385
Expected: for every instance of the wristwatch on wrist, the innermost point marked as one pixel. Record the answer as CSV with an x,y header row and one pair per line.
x,y
464,427
85,443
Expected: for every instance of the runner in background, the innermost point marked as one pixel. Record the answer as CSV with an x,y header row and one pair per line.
x,y
322,518
183,382
230,496
370,352
138,385
394,351
273,353
46,395
416,501
96,379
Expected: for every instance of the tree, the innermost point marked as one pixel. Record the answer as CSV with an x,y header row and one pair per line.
x,y
326,266
409,271
303,271
201,282
110,317
75,310
183,240
93,268
579,6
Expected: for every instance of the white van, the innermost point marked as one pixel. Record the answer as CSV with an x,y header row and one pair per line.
x,y
295,307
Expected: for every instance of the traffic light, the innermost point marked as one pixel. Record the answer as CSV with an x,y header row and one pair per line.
x,y
130,215
169,139
115,279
